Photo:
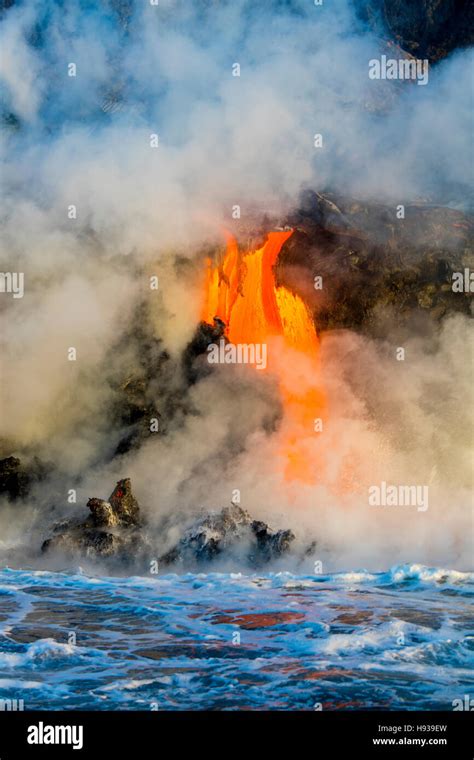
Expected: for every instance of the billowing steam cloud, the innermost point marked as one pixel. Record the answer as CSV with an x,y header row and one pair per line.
x,y
163,75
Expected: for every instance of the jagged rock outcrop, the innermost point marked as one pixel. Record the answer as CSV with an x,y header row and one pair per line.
x,y
229,533
111,530
123,503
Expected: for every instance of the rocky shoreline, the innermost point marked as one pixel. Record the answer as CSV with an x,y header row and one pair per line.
x,y
114,531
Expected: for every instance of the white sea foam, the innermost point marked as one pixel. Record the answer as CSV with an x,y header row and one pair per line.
x,y
170,640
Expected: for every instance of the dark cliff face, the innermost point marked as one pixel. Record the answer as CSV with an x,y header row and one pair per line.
x,y
425,28
371,262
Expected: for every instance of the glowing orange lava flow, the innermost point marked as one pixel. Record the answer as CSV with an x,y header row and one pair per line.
x,y
242,293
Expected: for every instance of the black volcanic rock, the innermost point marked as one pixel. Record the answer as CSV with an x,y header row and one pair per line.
x,y
120,510
373,263
102,514
147,378
193,364
80,541
123,503
17,478
375,266
270,544
426,28
13,479
111,530
229,533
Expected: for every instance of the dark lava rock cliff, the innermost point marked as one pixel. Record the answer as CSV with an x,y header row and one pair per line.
x,y
373,264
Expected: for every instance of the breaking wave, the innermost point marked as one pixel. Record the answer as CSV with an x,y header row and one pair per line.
x,y
400,639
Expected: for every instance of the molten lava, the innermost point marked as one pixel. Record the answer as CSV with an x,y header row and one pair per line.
x,y
243,294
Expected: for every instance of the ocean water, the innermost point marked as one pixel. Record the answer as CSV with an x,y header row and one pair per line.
x,y
403,639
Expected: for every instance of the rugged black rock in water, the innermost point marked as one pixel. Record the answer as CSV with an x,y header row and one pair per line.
x,y
111,530
229,533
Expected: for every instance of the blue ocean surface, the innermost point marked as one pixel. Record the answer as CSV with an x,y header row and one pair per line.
x,y
402,639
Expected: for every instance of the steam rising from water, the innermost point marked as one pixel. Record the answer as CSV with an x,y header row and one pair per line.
x,y
223,140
